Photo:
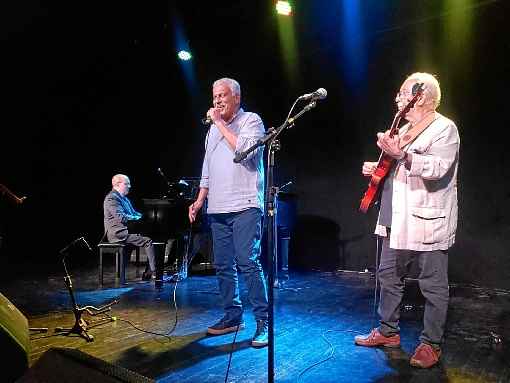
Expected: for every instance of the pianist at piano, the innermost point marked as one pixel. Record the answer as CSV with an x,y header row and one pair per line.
x,y
118,213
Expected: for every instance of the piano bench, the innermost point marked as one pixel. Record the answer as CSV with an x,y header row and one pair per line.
x,y
118,250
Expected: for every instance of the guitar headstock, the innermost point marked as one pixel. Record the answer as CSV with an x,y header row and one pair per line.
x,y
417,91
418,88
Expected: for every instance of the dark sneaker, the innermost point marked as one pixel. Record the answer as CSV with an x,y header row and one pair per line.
x,y
148,275
224,326
425,356
375,338
260,337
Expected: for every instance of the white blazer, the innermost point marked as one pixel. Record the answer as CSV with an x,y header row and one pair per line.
x,y
424,202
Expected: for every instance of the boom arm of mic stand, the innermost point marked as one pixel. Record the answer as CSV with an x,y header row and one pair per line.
x,y
273,133
242,155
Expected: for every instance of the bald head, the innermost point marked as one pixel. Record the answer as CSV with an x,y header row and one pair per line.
x,y
121,183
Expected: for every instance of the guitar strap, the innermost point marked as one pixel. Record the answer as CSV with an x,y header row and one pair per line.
x,y
417,129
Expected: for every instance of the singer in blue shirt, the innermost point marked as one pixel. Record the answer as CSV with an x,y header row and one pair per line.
x,y
235,204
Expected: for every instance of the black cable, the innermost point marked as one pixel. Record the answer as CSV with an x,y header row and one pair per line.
x,y
374,305
47,336
231,352
331,348
207,292
176,310
167,334
113,319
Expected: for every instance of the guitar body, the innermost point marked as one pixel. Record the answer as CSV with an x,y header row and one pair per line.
x,y
383,168
385,162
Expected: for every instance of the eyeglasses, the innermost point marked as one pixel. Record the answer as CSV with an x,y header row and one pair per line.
x,y
404,94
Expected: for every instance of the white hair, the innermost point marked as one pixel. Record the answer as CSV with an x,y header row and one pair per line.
x,y
231,83
118,178
431,86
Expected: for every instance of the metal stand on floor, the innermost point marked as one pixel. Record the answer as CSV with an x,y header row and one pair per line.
x,y
81,326
278,282
182,269
273,145
188,253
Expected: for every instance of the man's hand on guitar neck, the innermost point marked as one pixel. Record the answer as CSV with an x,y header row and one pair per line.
x,y
390,145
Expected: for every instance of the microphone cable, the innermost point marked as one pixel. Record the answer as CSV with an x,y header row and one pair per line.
x,y
230,354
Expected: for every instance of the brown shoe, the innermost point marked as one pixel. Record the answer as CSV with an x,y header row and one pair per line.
x,y
375,338
425,356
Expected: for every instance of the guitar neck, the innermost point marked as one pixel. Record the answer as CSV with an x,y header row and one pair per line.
x,y
385,162
393,130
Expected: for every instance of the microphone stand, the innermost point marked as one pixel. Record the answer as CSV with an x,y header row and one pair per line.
x,y
273,133
273,145
81,325
276,193
168,183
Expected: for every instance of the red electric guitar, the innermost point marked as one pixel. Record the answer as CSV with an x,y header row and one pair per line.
x,y
385,162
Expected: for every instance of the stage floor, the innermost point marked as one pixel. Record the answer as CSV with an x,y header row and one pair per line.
x,y
317,315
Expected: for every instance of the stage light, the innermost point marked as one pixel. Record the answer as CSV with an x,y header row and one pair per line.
x,y
283,8
184,55
288,41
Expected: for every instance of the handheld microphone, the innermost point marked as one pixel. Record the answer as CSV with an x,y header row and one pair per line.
x,y
206,121
319,94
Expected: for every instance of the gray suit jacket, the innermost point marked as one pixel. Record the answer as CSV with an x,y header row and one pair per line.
x,y
118,211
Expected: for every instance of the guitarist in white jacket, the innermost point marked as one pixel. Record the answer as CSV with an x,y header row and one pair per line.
x,y
417,218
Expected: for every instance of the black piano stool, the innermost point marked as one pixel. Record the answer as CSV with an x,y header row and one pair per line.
x,y
120,259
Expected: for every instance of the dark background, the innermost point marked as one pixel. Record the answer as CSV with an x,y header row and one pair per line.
x,y
94,88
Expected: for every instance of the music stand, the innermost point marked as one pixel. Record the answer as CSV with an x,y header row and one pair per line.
x,y
273,145
81,325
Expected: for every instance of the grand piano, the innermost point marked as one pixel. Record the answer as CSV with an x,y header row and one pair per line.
x,y
166,218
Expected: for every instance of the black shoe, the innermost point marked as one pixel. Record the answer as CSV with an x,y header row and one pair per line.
x,y
224,326
260,337
148,275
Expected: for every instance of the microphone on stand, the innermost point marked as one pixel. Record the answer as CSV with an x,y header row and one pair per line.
x,y
64,250
76,241
86,243
163,175
319,94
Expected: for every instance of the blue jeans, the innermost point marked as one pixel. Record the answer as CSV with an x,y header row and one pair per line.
x,y
236,246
